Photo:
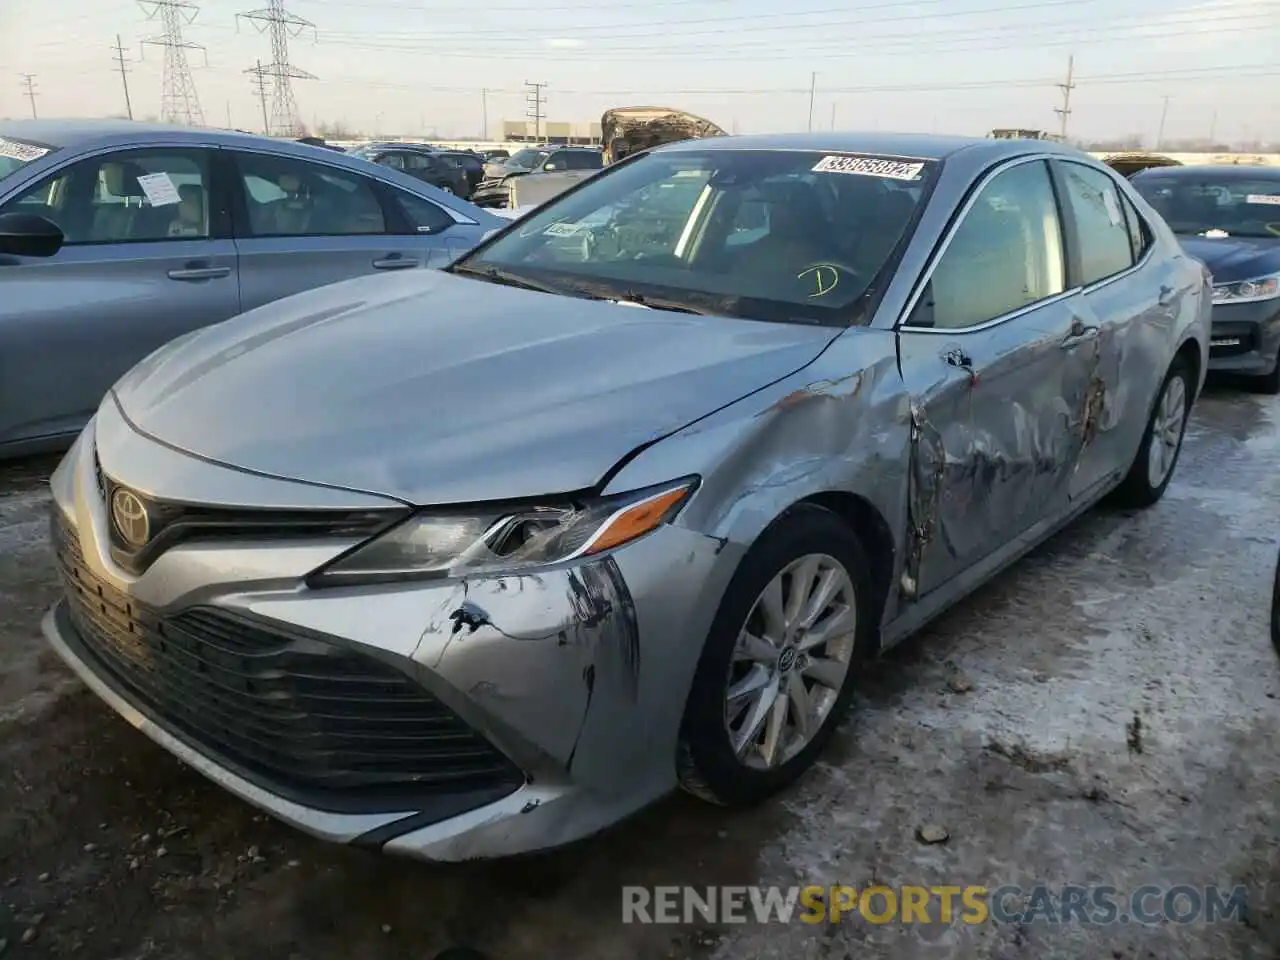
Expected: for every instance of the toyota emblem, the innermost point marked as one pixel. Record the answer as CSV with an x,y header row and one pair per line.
x,y
129,516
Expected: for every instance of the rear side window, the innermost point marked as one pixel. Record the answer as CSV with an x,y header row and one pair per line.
x,y
289,197
1139,232
1096,208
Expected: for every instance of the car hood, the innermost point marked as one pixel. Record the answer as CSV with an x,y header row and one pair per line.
x,y
1235,258
628,130
434,388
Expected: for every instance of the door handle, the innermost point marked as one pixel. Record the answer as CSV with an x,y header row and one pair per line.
x,y
1080,333
199,273
395,261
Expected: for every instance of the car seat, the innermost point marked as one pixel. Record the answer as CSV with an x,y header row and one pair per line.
x,y
191,219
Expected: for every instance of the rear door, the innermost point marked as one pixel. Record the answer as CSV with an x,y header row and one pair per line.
x,y
148,256
302,224
1130,303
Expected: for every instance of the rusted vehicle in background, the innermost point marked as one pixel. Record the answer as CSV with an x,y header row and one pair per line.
x,y
1127,164
628,130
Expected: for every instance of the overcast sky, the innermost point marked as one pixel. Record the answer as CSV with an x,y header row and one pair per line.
x,y
955,66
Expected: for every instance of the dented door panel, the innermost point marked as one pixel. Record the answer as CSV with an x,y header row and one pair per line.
x,y
993,436
1126,364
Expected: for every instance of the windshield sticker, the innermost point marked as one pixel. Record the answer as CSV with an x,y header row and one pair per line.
x,y
867,167
20,151
159,189
1266,199
562,229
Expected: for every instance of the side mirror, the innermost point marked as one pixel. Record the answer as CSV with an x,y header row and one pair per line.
x,y
551,166
27,235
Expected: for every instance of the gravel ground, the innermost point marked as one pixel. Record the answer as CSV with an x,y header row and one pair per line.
x,y
1103,713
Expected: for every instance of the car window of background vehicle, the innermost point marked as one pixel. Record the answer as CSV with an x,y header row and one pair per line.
x,y
290,197
1193,202
131,196
1006,254
1106,245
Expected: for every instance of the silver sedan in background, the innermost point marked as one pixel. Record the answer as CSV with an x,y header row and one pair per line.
x,y
478,561
166,229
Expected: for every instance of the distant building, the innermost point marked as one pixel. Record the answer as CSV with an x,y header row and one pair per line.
x,y
553,131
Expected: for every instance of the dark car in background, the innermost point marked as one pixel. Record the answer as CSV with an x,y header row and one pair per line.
x,y
472,165
494,192
1229,218
424,163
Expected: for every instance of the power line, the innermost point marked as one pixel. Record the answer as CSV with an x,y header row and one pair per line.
x,y
124,74
29,87
1064,111
179,102
536,100
260,91
275,20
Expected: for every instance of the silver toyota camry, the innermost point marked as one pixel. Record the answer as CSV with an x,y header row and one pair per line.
x,y
475,562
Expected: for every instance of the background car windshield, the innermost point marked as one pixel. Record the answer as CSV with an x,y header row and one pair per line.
x,y
779,235
1197,203
529,158
15,154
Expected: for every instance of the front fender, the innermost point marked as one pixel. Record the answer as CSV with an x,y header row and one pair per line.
x,y
840,425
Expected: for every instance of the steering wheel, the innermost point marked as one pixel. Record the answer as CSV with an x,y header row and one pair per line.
x,y
824,277
1273,228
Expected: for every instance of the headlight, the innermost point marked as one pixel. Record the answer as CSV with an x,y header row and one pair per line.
x,y
1248,291
445,543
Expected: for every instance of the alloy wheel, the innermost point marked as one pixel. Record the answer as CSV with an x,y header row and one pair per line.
x,y
1166,430
791,660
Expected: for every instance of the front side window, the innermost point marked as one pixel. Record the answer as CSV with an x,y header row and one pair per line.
x,y
582,160
131,196
288,197
1006,254
1106,245
789,235
1209,201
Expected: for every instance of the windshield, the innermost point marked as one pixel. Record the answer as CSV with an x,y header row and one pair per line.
x,y
529,158
784,235
1195,203
16,154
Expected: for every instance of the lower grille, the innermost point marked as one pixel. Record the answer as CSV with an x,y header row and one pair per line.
x,y
304,718
1232,343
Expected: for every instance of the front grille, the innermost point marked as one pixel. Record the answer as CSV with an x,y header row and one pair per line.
x,y
304,718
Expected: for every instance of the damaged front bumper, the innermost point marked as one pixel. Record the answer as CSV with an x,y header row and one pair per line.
x,y
445,720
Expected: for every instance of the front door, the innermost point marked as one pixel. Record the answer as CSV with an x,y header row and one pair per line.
x,y
148,256
305,224
987,357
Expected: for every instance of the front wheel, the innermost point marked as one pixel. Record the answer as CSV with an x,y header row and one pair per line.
x,y
778,668
1151,472
1275,609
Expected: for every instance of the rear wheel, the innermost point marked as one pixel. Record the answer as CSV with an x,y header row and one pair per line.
x,y
778,668
1275,609
1162,442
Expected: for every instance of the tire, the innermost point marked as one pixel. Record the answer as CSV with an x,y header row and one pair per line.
x,y
707,763
1275,609
1144,485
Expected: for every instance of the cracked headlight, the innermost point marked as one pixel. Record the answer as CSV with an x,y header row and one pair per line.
x,y
440,543
1248,291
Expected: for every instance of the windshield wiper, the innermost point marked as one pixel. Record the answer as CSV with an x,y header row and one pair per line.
x,y
504,277
640,300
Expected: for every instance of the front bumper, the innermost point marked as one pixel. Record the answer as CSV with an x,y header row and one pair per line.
x,y
491,193
1245,338
567,709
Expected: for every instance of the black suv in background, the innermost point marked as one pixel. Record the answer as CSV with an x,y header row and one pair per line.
x,y
423,162
471,164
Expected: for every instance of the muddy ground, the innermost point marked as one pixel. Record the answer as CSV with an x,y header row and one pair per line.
x,y
1010,725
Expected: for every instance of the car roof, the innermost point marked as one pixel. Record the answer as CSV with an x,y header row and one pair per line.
x,y
1225,171
917,146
